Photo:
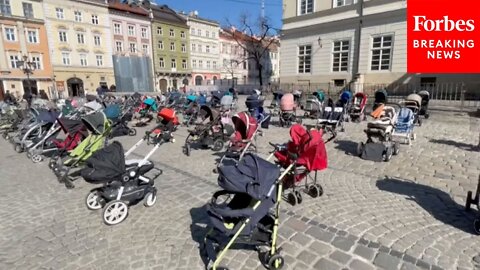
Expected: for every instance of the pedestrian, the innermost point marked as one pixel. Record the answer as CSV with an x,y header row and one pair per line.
x,y
9,98
28,98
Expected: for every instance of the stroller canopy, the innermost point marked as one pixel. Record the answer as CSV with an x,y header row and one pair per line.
x,y
245,125
277,95
91,98
310,148
136,95
405,117
113,111
287,103
425,95
191,98
95,122
320,95
105,165
381,96
360,99
168,115
207,112
253,102
345,96
93,105
217,95
226,101
253,175
414,98
71,126
47,116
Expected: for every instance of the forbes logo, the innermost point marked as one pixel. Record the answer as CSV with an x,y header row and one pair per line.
x,y
442,25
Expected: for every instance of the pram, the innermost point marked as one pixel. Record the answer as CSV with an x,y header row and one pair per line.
x,y
357,111
474,200
145,112
333,118
425,100
240,213
38,133
314,105
99,127
404,125
124,182
254,104
288,111
307,153
190,109
380,145
381,97
119,121
215,99
227,103
414,102
209,132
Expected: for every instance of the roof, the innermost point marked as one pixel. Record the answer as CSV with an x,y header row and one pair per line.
x,y
164,13
118,5
200,19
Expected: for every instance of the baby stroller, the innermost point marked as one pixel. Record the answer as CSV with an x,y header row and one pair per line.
x,y
215,99
414,102
124,182
75,131
36,134
425,100
380,145
333,118
277,96
381,97
119,121
240,213
254,104
474,200
227,103
307,153
287,110
190,110
297,97
357,111
148,107
404,125
210,132
314,105
99,127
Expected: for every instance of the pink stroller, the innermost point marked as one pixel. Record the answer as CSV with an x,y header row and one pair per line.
x,y
288,110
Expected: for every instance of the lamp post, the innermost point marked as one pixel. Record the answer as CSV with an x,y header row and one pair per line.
x,y
27,67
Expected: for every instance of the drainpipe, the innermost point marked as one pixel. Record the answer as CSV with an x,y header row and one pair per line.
x,y
358,35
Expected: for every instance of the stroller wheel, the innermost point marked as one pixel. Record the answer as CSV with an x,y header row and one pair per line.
x,y
313,191
115,212
92,200
149,199
299,196
427,115
5,136
419,122
396,148
132,132
292,199
18,148
275,262
29,155
468,203
37,158
360,149
476,225
218,145
387,155
187,149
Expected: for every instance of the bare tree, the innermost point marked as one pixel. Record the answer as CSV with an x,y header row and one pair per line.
x,y
255,39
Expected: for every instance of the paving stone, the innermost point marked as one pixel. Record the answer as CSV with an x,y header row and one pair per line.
x,y
364,252
386,261
320,234
325,264
320,248
341,257
307,257
342,243
360,265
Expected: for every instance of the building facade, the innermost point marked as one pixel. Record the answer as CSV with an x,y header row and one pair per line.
x,y
205,49
342,42
132,47
23,34
233,59
171,49
80,45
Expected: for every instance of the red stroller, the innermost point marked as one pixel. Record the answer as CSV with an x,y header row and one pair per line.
x,y
357,111
307,152
75,131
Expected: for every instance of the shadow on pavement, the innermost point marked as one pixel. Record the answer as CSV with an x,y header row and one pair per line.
x,y
463,146
349,147
199,229
436,202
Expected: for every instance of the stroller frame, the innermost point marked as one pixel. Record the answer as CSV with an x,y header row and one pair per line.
x,y
272,258
474,200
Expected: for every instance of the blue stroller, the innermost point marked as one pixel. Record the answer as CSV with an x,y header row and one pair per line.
x,y
255,108
404,125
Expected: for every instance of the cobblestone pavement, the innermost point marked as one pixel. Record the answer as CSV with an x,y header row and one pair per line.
x,y
404,214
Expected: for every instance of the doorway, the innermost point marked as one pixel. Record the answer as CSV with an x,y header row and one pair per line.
x,y
75,87
163,85
198,80
30,86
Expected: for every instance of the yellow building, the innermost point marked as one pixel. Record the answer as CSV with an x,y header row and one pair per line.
x,y
80,45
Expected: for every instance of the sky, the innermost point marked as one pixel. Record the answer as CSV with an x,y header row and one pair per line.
x,y
220,10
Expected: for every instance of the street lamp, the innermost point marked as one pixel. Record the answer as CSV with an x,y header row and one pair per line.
x,y
27,67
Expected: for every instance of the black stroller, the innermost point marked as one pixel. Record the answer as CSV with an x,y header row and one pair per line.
x,y
333,118
381,97
474,200
425,100
240,213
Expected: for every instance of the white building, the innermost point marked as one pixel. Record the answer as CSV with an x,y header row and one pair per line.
x,y
344,41
205,49
233,58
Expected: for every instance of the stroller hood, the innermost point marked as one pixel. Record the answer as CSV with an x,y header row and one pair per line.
x,y
191,98
91,98
287,103
245,125
253,102
136,95
226,101
425,95
95,122
106,164
381,96
93,105
207,112
113,111
47,116
414,98
252,175
277,95
310,148
71,126
320,95
405,115
362,97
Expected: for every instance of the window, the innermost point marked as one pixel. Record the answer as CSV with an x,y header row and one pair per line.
x,y
117,29
131,30
172,33
37,62
159,31
184,47
5,8
62,36
10,34
200,63
27,10
14,61
199,47
78,16
133,47
97,40
192,32
208,64
81,38
99,60
207,49
83,60
213,34
304,58
381,52
162,63
194,63
172,46
145,48
32,36
199,32
118,46
341,3
160,45
182,34
144,32
194,47
94,19
214,64
66,58
184,64
340,55
207,34
174,63
306,6
59,12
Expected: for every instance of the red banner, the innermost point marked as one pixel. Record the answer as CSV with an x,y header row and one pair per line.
x,y
443,36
